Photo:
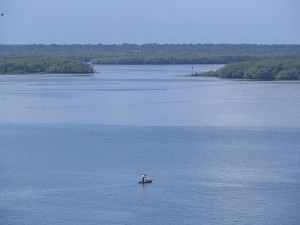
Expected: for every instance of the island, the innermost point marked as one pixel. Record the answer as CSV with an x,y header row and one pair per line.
x,y
57,65
258,70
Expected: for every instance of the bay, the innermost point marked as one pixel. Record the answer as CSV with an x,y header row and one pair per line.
x,y
72,148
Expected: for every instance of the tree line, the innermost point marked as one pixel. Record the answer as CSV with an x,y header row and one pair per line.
x,y
260,70
78,58
12,65
156,53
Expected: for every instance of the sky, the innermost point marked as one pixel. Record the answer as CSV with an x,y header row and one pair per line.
x,y
149,21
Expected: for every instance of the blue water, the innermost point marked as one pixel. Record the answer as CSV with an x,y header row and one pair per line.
x,y
72,148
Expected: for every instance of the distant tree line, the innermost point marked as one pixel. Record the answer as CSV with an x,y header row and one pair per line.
x,y
169,58
260,70
156,53
12,65
78,58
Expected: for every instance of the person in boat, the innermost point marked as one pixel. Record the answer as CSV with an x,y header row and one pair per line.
x,y
144,180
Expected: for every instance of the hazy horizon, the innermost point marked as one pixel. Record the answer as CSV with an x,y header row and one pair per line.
x,y
135,22
146,44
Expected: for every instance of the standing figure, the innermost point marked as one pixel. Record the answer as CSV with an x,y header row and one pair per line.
x,y
144,178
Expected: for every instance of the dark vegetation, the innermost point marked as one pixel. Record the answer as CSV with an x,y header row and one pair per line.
x,y
12,65
155,53
260,70
39,58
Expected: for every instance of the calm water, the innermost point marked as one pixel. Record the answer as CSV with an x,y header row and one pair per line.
x,y
72,149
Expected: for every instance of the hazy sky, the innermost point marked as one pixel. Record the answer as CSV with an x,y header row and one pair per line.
x,y
149,21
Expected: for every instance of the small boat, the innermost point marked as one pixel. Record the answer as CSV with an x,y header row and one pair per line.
x,y
144,180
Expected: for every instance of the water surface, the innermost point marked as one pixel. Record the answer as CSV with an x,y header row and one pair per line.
x,y
72,148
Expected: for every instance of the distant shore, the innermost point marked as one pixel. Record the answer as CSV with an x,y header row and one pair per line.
x,y
46,65
260,70
74,59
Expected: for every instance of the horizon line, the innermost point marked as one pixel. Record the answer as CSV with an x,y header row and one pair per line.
x,y
150,43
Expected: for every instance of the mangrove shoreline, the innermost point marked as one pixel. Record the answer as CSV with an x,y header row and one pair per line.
x,y
79,59
259,70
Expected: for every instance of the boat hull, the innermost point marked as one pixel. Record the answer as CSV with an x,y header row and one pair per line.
x,y
145,182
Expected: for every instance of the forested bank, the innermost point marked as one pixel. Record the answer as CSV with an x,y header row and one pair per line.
x,y
156,53
70,58
260,70
43,65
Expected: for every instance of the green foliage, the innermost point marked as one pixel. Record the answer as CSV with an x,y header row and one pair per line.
x,y
206,74
43,65
262,70
155,53
70,58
